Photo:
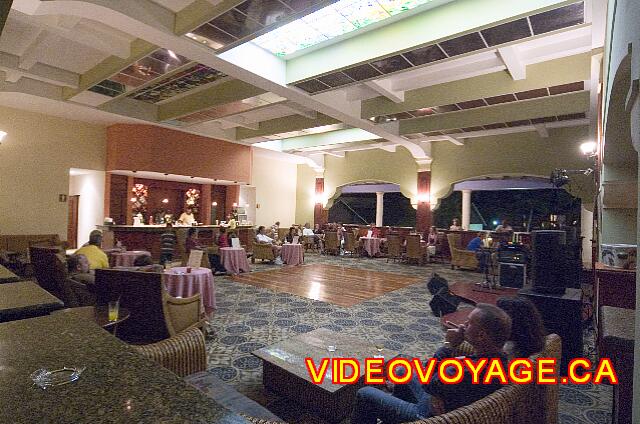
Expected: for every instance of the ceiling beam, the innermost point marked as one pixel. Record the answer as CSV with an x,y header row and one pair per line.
x,y
513,62
541,129
227,123
29,56
41,72
454,140
555,72
216,95
284,125
300,110
383,88
528,109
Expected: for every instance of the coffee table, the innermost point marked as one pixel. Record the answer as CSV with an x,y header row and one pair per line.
x,y
285,373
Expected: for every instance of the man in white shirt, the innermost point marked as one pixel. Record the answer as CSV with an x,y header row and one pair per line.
x,y
262,237
307,231
187,217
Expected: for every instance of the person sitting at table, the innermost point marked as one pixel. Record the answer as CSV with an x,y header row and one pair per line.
x,y
274,229
486,331
375,231
93,233
455,225
262,237
292,233
187,217
307,231
223,238
504,227
94,254
477,242
192,241
144,263
168,242
78,268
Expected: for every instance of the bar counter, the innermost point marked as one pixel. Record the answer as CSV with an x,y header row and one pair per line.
x,y
147,237
117,386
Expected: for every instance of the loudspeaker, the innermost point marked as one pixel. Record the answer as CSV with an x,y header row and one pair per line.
x,y
512,275
548,264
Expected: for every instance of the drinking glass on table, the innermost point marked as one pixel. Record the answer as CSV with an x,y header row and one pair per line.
x,y
379,345
114,308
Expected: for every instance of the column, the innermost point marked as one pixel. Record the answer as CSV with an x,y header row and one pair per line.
x,y
423,212
232,196
129,204
379,208
319,214
204,214
466,209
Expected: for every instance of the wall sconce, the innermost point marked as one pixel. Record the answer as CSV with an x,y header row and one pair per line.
x,y
235,205
319,199
2,136
589,148
423,198
214,203
133,200
165,201
246,206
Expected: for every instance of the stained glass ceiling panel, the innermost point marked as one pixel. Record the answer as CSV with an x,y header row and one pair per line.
x,y
332,21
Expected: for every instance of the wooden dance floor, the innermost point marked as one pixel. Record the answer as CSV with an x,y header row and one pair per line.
x,y
339,285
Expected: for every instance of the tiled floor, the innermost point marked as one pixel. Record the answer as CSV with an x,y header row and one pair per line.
x,y
250,317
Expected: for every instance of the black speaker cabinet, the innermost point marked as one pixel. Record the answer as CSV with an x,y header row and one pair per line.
x,y
548,262
512,275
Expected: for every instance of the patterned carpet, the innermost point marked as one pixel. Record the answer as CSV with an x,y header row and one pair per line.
x,y
249,318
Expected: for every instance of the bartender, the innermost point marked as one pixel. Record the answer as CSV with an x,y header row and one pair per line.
x,y
187,217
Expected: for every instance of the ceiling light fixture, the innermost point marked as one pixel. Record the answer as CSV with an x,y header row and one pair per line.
x,y
589,148
2,135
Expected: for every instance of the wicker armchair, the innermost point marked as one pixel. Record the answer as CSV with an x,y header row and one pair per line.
x,y
184,354
351,245
394,247
331,242
512,404
461,258
263,251
415,250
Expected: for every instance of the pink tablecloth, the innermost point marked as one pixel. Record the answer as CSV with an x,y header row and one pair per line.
x,y
179,283
129,257
234,259
292,254
371,245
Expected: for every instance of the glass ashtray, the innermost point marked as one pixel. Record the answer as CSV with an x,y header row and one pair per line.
x,y
44,378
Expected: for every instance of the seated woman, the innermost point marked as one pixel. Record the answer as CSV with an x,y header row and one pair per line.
x,y
527,330
432,240
290,236
455,225
213,253
145,263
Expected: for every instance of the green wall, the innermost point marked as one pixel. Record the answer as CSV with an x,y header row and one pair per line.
x,y
517,154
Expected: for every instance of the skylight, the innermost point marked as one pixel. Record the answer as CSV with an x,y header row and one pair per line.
x,y
330,22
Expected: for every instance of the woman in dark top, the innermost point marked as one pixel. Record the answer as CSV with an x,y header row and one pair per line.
x,y
527,331
292,233
191,242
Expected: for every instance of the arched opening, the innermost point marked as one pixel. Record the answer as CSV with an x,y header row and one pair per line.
x,y
356,203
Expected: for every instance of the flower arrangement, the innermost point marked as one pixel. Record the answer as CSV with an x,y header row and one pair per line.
x,y
139,200
192,199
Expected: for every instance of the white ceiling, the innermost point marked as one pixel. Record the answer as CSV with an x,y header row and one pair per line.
x,y
174,5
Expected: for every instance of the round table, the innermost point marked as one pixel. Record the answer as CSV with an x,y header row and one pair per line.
x,y
371,245
234,259
180,283
292,254
129,257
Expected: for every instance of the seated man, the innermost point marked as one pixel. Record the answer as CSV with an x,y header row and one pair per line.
x,y
487,331
78,267
477,242
262,237
94,254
